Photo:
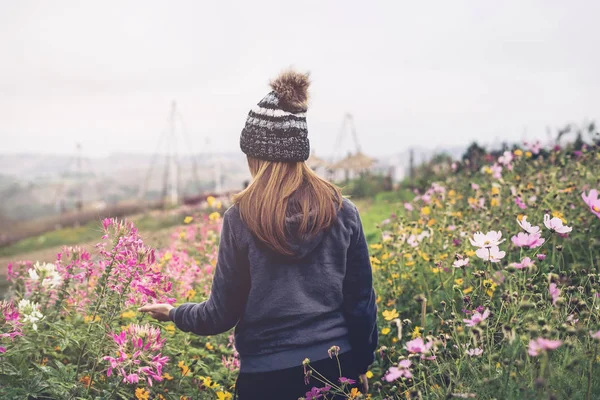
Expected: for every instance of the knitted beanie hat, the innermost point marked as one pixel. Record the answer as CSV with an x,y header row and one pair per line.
x,y
276,128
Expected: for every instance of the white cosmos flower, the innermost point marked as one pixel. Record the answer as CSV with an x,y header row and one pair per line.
x,y
490,239
527,227
492,254
555,224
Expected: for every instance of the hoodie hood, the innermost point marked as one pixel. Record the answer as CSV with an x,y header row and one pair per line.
x,y
301,245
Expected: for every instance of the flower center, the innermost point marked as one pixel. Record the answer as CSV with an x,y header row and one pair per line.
x,y
596,208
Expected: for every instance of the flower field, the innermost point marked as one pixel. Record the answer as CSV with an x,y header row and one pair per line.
x,y
488,287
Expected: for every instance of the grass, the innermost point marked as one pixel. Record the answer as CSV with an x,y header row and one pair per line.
x,y
89,232
374,210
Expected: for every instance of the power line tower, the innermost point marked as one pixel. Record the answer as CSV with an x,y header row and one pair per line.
x,y
168,142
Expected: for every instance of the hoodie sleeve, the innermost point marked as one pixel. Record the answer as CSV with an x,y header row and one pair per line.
x,y
229,292
360,309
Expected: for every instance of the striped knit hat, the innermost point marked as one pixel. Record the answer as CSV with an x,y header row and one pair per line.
x,y
276,128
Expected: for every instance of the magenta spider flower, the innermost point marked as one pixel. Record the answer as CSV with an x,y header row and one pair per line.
x,y
593,201
556,225
402,370
477,318
541,345
554,292
137,355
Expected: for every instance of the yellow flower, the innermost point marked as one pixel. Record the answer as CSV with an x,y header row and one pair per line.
x,y
128,314
181,235
375,260
209,346
390,315
468,290
431,222
142,394
488,170
394,339
167,256
210,200
190,294
395,275
444,256
208,383
385,331
423,255
378,299
160,397
218,205
558,214
495,190
425,210
518,152
376,246
188,219
354,393
435,270
459,281
369,374
223,396
184,368
167,376
88,318
495,202
451,193
528,154
470,253
410,263
416,333
407,255
170,328
490,286
214,216
472,200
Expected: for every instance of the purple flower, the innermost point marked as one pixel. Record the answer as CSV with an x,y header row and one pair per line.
x,y
593,201
346,381
541,257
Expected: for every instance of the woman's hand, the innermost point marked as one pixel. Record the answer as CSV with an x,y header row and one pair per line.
x,y
364,383
157,311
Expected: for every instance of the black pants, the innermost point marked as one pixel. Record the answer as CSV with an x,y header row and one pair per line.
x,y
288,384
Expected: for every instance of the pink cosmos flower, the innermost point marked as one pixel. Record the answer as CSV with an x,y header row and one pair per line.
x,y
492,254
408,206
556,225
541,345
541,257
418,346
595,335
477,318
344,380
398,372
474,186
554,292
476,352
528,240
525,263
463,262
489,240
593,201
506,158
496,171
519,202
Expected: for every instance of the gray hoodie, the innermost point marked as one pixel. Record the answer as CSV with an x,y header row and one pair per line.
x,y
285,309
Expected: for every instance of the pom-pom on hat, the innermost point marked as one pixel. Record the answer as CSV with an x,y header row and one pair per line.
x,y
276,128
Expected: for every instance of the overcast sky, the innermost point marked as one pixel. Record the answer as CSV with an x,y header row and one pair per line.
x,y
104,73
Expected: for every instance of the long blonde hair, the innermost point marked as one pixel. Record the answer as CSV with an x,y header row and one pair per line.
x,y
284,189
